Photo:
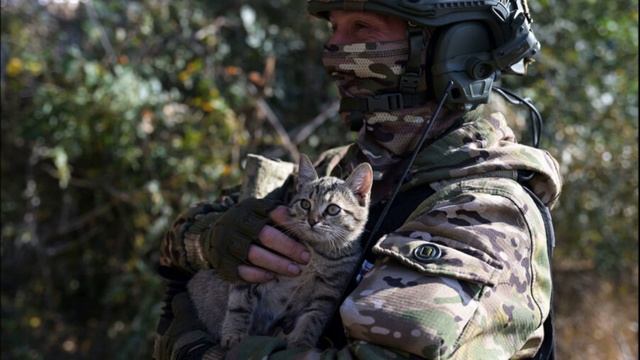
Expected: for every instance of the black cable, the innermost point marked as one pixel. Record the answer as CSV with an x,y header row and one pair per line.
x,y
537,123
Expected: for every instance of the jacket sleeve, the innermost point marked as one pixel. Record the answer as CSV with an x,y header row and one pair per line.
x,y
184,250
465,277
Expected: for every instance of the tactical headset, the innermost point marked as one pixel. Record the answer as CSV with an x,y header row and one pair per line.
x,y
475,41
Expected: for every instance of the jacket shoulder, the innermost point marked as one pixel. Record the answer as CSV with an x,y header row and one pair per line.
x,y
465,263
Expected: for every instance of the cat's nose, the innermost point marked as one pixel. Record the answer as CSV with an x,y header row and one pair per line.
x,y
313,221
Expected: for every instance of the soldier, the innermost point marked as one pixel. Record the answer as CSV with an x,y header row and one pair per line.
x,y
461,268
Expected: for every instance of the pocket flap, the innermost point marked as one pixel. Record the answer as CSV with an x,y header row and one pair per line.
x,y
439,256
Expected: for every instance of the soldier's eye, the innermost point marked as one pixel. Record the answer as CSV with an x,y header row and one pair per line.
x,y
333,209
305,204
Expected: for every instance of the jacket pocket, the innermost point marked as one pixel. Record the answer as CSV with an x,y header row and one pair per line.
x,y
440,256
420,295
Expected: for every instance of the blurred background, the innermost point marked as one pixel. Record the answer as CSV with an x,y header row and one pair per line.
x,y
116,115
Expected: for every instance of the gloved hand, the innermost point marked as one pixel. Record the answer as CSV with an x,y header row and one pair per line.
x,y
226,241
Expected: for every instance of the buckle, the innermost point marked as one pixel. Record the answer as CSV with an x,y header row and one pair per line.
x,y
388,102
409,83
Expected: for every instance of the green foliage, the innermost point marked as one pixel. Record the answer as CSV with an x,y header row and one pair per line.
x,y
116,115
586,85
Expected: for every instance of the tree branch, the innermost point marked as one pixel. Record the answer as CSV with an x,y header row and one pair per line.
x,y
104,39
301,133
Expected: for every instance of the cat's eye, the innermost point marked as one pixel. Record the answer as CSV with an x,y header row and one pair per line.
x,y
305,204
333,209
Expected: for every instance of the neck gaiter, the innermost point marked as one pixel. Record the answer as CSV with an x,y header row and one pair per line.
x,y
371,72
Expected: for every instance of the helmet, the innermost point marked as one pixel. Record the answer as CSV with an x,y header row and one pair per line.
x,y
477,40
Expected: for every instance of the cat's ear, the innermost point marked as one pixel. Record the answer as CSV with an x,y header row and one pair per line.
x,y
360,182
306,171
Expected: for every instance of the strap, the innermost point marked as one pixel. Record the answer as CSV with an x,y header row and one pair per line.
x,y
547,349
384,102
546,217
411,77
536,123
356,107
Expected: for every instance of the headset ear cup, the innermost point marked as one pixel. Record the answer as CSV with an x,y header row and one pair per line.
x,y
462,54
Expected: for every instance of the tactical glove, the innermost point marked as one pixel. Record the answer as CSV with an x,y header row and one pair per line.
x,y
226,240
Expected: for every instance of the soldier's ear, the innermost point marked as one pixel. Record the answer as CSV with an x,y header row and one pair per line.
x,y
306,171
360,182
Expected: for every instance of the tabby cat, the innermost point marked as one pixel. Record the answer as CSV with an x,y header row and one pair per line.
x,y
327,216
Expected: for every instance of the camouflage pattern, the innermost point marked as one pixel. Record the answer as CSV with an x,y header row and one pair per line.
x,y
467,275
363,69
263,175
369,69
484,146
186,250
492,272
485,291
488,292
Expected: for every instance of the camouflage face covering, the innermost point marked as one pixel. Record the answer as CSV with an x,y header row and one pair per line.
x,y
368,69
363,69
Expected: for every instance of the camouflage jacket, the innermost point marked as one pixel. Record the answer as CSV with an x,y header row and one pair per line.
x,y
467,275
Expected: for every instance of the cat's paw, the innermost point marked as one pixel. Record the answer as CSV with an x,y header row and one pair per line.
x,y
229,340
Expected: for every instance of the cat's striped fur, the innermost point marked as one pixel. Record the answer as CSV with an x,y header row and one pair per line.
x,y
327,215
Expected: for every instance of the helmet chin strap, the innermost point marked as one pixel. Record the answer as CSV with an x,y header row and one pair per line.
x,y
417,43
